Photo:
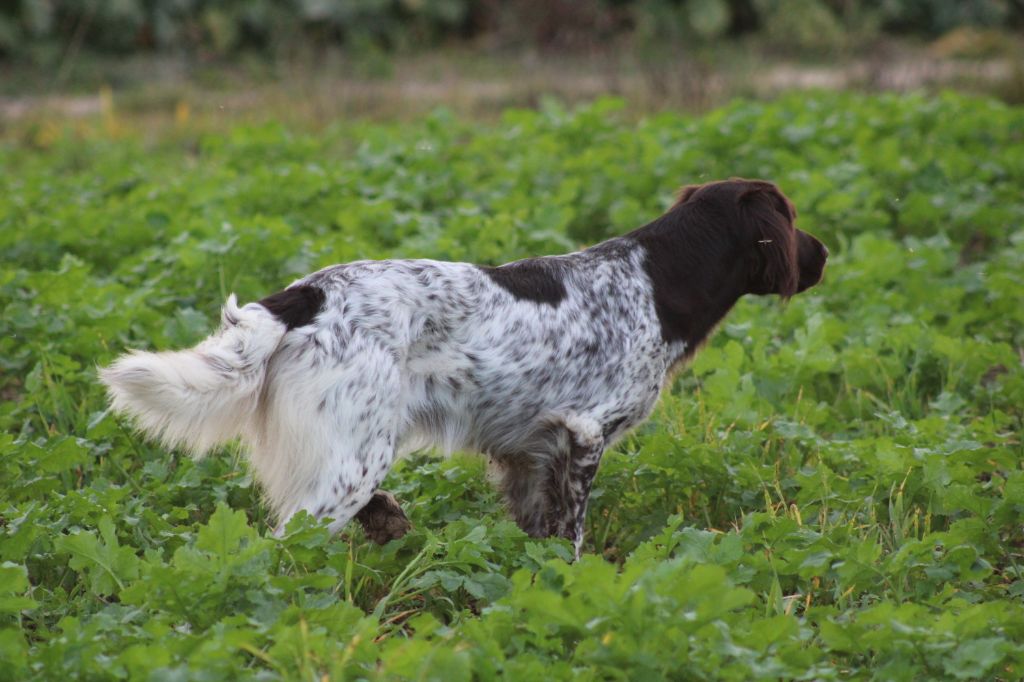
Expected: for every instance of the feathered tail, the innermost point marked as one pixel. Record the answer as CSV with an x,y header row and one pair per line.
x,y
204,396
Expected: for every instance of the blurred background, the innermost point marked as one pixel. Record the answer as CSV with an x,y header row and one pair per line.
x,y
154,63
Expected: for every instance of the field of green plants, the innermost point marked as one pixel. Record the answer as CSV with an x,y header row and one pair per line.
x,y
833,490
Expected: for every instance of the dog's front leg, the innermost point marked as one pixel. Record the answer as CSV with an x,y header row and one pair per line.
x,y
523,481
572,476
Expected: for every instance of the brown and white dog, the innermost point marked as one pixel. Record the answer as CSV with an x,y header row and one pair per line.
x,y
540,364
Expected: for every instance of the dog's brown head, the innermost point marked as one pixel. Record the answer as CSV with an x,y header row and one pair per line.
x,y
781,259
720,241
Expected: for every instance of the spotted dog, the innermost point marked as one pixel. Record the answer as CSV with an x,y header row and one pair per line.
x,y
540,364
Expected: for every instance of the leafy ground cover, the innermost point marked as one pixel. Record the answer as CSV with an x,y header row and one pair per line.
x,y
833,490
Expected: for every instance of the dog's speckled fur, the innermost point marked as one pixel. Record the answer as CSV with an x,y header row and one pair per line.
x,y
540,364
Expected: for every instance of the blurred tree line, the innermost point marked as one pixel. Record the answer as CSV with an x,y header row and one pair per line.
x,y
42,30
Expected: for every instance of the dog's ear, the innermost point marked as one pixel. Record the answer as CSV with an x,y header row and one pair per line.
x,y
769,216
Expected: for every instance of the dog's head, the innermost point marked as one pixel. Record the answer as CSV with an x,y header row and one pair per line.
x,y
780,259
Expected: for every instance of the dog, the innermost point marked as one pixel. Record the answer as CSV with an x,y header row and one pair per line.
x,y
540,364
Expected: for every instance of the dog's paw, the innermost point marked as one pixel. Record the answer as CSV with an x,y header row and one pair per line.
x,y
382,518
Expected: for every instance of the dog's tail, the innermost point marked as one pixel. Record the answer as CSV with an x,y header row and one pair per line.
x,y
207,395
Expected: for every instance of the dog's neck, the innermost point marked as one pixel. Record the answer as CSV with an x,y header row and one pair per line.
x,y
695,280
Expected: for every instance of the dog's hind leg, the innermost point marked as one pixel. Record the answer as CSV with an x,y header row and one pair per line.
x,y
345,484
382,518
331,434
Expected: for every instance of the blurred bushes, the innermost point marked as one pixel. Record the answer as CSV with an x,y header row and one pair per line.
x,y
41,30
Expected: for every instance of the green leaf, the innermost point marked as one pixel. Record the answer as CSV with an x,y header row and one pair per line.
x,y
974,659
14,581
107,565
226,532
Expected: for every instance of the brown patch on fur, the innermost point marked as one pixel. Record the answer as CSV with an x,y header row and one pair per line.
x,y
296,306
